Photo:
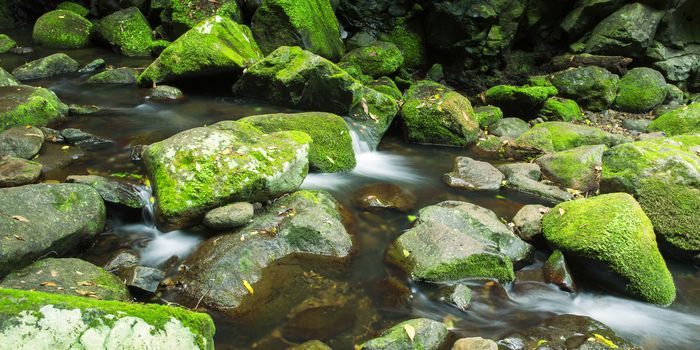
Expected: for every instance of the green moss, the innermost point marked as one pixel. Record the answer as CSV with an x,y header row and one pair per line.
x,y
380,58
62,29
612,231
594,88
355,71
409,41
477,266
123,75
560,136
488,115
25,105
641,90
186,14
560,109
517,100
684,120
386,86
539,80
73,7
6,43
331,150
128,30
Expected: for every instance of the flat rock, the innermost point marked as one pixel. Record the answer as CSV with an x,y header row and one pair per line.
x,y
21,142
18,171
470,174
230,216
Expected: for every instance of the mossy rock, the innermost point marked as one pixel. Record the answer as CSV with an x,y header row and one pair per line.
x,y
641,90
578,168
203,168
73,7
429,335
560,136
56,64
594,88
68,276
488,115
62,29
410,41
310,24
435,114
331,150
215,46
293,77
6,43
626,32
7,79
683,120
560,109
379,58
186,14
41,320
510,128
518,100
27,105
611,238
386,86
127,31
123,75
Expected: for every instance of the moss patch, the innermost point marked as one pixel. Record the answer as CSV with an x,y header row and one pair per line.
x,y
26,105
560,109
62,29
73,7
518,100
641,90
684,120
128,31
409,41
379,58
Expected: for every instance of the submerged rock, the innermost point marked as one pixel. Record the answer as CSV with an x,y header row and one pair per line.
x,y
122,75
683,120
62,29
43,218
18,171
40,320
384,196
21,142
27,105
594,88
610,238
127,31
641,90
578,168
46,67
561,136
470,174
428,335
111,191
230,216
377,59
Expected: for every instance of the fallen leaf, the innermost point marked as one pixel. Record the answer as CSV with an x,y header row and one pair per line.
x,y
248,287
406,253
605,341
48,284
86,283
410,331
20,218
54,273
19,238
561,211
65,147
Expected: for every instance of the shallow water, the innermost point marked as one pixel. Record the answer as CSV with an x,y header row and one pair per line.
x,y
385,294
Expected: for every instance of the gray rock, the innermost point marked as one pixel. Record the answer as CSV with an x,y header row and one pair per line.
x,y
142,278
21,142
429,335
509,127
81,138
470,174
529,170
18,171
93,66
578,168
528,222
384,196
122,259
640,125
122,76
230,216
549,193
6,79
46,67
112,191
75,109
165,93
461,297
475,344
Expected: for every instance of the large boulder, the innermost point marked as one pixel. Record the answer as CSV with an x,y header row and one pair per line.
x,y
27,105
46,67
226,272
578,168
435,114
610,238
594,88
310,24
38,320
293,77
215,46
127,31
560,136
683,120
627,32
378,59
43,218
68,276
641,90
424,334
331,150
62,29
203,168
664,175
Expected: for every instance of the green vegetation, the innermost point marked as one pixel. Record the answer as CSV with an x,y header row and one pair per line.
x,y
62,29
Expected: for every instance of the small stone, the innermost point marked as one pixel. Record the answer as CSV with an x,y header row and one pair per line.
x,y
165,93
93,66
529,170
52,135
641,125
384,196
460,297
123,75
556,271
476,343
142,278
18,171
470,174
528,222
230,216
21,50
121,259
21,142
81,138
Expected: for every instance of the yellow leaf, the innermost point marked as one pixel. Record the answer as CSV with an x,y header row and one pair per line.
x,y
410,331
561,211
541,342
406,253
248,287
20,218
605,341
48,284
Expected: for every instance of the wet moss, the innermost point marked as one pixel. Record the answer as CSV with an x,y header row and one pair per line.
x,y
477,266
186,14
62,29
377,59
128,31
560,136
641,90
6,43
25,105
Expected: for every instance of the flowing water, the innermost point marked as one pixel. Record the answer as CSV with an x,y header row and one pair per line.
x,y
128,120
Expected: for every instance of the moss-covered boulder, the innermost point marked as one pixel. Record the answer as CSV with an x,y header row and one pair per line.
x,y
379,58
7,79
594,88
578,168
488,115
122,76
452,241
435,114
204,168
310,24
6,43
127,31
27,105
38,320
215,46
46,67
68,276
560,109
518,100
386,86
664,175
331,148
226,272
610,238
183,15
683,120
293,77
409,39
46,218
626,32
560,136
62,29
73,7
641,90
428,335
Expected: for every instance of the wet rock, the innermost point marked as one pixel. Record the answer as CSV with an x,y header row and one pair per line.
x,y
93,66
610,238
122,259
179,16
230,216
549,193
683,120
639,125
594,88
331,150
578,168
560,109
435,114
62,29
567,332
510,128
21,50
429,335
18,171
68,276
528,222
215,46
83,139
529,170
6,79
127,31
46,218
6,43
556,271
384,196
626,32
21,142
141,278
165,93
470,174
111,191
460,297
203,168
475,344
300,79
305,222
83,109
310,25
518,100
123,75
46,67
641,90
377,59
488,115
560,136
60,321
490,147
386,86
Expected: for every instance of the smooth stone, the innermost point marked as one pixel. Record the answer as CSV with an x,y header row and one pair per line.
x,y
229,216
529,170
527,185
528,222
21,142
81,138
470,174
165,93
476,343
83,109
18,171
